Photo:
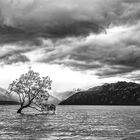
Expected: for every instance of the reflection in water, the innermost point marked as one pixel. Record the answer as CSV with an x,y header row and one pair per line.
x,y
72,122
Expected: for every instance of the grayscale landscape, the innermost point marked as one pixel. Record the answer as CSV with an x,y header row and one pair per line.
x,y
70,69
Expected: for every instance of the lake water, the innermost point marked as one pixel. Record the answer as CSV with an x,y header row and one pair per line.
x,y
72,123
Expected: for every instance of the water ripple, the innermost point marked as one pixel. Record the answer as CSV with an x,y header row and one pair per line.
x,y
72,123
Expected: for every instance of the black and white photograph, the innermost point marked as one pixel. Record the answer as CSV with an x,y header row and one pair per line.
x,y
70,69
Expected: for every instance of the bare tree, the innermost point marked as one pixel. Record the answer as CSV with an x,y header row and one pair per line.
x,y
32,90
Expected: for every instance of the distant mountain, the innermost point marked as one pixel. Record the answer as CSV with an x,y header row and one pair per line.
x,y
5,99
64,95
120,93
53,100
11,100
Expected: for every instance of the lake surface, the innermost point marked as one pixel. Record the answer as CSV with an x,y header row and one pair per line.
x,y
72,123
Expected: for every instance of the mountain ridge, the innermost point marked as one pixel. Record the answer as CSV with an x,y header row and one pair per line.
x,y
120,93
13,100
5,99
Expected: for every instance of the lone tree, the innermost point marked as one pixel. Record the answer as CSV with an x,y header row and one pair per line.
x,y
32,91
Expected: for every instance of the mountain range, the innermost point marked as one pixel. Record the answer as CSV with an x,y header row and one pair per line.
x,y
120,93
13,100
7,99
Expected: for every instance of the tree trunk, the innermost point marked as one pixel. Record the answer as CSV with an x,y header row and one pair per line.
x,y
22,107
19,110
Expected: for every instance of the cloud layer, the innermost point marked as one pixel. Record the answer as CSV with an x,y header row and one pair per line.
x,y
117,52
32,19
53,19
100,36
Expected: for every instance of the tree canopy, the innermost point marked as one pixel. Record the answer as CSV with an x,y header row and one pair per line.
x,y
32,90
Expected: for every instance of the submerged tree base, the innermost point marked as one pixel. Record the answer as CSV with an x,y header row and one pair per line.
x,y
19,110
50,109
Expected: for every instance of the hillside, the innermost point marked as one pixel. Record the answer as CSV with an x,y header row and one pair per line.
x,y
53,100
120,93
13,100
64,95
5,99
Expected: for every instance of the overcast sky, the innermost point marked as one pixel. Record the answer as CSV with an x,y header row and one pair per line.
x,y
78,43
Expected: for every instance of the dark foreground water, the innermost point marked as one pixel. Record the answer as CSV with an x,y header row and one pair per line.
x,y
72,123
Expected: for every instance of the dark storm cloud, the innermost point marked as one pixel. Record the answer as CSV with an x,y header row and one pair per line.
x,y
11,53
10,35
24,20
116,53
28,20
110,31
110,71
131,13
13,58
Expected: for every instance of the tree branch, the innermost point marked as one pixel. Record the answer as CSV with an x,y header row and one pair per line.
x,y
36,105
35,108
23,98
21,103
